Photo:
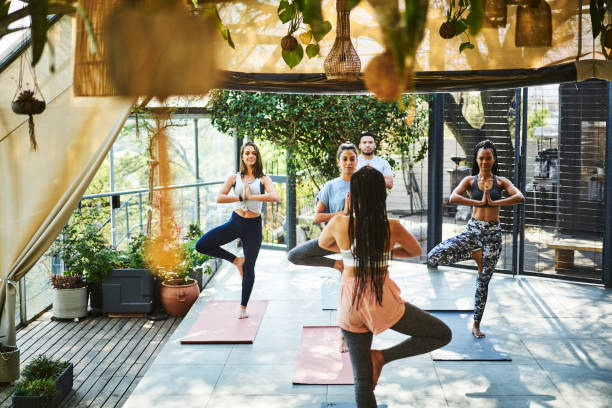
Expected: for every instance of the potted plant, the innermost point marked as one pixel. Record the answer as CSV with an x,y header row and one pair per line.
x,y
44,383
87,259
128,288
196,263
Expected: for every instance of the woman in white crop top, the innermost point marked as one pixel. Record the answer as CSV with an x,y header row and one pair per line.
x,y
251,189
369,301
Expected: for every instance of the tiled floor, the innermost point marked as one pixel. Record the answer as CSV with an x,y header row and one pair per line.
x,y
558,334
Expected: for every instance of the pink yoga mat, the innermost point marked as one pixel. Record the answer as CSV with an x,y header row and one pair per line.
x,y
319,359
219,323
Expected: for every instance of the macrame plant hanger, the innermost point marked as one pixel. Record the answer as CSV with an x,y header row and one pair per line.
x,y
25,101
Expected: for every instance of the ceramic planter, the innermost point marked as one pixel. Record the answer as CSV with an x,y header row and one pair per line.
x,y
63,384
70,303
178,296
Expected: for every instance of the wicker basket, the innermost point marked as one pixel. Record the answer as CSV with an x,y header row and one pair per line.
x,y
9,363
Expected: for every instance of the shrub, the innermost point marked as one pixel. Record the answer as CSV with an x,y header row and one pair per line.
x,y
38,378
44,367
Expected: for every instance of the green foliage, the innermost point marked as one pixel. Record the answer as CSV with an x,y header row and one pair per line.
x,y
38,378
536,118
133,257
598,10
43,387
296,12
456,14
83,248
313,126
44,367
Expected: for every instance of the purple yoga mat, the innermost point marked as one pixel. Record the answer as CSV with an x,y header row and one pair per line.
x,y
219,323
319,359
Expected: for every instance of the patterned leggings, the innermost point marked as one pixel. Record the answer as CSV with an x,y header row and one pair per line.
x,y
485,235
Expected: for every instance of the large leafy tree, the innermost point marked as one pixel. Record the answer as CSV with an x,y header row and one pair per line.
x,y
312,127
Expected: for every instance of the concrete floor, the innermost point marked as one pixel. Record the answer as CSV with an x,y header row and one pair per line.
x,y
558,334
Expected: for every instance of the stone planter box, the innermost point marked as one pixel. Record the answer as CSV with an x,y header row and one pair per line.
x,y
63,384
127,291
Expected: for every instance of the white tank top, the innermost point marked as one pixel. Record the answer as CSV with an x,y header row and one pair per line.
x,y
255,188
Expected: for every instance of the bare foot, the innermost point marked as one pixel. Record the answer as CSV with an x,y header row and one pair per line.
x,y
342,348
477,256
378,361
243,313
239,262
339,265
476,331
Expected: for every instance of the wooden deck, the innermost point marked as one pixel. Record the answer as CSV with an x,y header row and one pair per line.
x,y
110,355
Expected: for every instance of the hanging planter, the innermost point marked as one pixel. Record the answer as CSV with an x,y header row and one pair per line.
x,y
26,103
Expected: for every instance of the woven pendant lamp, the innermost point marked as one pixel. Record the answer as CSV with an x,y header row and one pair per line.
x,y
494,13
91,75
533,25
342,62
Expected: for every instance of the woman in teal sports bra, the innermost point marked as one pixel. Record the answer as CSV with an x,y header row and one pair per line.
x,y
482,238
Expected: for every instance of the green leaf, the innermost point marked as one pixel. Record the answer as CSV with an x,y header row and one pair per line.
x,y
312,50
93,44
465,45
351,3
595,18
460,25
4,8
474,19
320,29
294,57
227,37
288,14
38,28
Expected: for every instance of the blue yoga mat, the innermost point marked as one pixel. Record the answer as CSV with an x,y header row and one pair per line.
x,y
464,346
345,405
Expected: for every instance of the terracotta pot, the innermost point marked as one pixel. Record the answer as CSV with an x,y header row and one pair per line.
x,y
178,296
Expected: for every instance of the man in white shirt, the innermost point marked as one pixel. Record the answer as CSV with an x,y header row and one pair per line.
x,y
367,146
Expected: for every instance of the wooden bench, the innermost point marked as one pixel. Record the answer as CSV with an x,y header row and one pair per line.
x,y
564,250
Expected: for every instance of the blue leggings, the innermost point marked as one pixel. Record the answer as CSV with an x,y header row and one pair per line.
x,y
249,232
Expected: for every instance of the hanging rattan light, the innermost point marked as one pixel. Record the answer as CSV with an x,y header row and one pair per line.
x,y
494,13
91,75
342,62
534,25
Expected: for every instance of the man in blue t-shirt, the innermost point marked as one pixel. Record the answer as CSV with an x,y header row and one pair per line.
x,y
367,146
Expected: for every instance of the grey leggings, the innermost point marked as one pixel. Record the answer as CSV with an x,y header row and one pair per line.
x,y
427,334
310,254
